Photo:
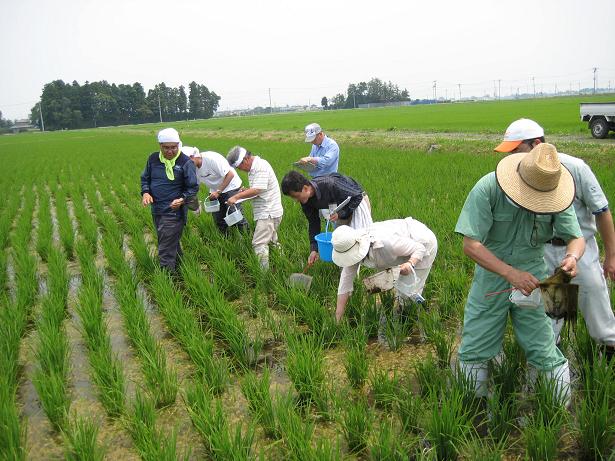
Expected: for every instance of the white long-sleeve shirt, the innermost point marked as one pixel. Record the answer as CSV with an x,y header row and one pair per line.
x,y
394,242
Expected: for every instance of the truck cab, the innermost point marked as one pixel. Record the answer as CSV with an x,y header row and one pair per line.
x,y
600,117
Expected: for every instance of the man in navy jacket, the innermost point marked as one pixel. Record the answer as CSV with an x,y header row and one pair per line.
x,y
167,182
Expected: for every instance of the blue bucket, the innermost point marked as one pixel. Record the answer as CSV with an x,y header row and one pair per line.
x,y
325,247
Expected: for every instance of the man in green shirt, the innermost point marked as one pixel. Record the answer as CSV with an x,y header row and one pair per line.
x,y
506,221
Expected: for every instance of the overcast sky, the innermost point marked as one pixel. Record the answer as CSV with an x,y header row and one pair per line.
x,y
305,50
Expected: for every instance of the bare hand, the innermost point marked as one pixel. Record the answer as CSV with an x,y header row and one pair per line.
x,y
405,269
334,217
231,200
312,258
304,160
523,281
175,204
569,265
147,199
609,268
214,195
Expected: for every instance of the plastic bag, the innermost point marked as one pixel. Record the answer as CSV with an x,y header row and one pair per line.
x,y
527,302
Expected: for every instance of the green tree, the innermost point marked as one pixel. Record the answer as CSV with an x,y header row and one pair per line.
x,y
324,102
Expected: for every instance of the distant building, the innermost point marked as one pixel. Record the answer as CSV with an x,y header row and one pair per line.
x,y
22,125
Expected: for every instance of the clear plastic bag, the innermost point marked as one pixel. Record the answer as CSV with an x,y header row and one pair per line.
x,y
526,302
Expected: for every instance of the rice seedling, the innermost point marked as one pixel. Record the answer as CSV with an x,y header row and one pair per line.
x,y
595,424
256,392
388,445
550,401
356,422
483,449
305,368
394,329
502,409
151,443
356,363
13,432
80,439
227,278
507,370
57,284
296,433
435,333
220,440
431,378
408,408
448,422
3,273
51,389
384,388
541,438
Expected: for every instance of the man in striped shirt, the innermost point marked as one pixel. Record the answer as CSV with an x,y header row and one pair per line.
x,y
267,204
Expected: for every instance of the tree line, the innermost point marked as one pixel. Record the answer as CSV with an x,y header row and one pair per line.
x,y
363,93
94,104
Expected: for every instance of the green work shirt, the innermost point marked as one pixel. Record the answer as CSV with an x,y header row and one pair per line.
x,y
514,235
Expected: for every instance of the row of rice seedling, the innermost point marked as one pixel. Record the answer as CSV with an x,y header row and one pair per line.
x,y
14,318
208,417
212,372
107,372
86,224
52,350
219,314
44,227
160,378
65,227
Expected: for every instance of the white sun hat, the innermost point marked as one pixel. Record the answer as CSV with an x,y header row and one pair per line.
x,y
350,245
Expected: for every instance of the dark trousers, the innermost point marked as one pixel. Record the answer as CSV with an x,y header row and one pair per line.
x,y
169,230
219,215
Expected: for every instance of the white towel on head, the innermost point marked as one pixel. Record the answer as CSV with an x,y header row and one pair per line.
x,y
168,135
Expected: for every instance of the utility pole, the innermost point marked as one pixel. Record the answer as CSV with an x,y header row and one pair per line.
x,y
499,89
270,106
40,112
354,100
435,90
556,89
579,83
459,85
534,84
595,69
159,108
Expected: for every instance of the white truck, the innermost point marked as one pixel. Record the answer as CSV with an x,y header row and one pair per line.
x,y
601,117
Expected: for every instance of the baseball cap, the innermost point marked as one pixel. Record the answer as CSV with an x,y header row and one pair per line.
x,y
191,151
311,131
518,131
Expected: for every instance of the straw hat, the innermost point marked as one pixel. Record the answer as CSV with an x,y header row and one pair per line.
x,y
536,180
350,245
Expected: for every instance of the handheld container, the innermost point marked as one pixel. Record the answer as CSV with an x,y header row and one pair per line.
x,y
211,206
234,217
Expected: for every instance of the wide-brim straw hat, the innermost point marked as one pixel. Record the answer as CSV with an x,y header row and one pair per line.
x,y
536,180
350,245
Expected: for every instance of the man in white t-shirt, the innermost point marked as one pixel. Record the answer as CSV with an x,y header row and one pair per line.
x,y
267,203
593,214
223,182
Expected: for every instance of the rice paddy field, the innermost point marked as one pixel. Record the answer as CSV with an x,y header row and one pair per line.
x,y
103,356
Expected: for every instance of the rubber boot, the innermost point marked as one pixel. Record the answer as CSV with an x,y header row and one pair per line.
x,y
561,376
478,375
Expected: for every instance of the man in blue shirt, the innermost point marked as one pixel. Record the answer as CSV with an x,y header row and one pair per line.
x,y
167,182
325,154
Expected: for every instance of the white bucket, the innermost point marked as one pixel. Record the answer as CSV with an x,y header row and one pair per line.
x,y
211,206
234,217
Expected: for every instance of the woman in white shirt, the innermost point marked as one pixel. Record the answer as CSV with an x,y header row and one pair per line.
x,y
406,243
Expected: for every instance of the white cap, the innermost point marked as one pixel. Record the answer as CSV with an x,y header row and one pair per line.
x,y
518,131
311,131
191,151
